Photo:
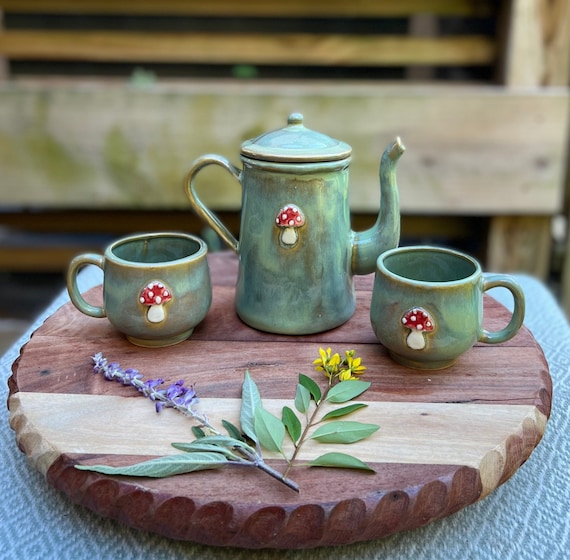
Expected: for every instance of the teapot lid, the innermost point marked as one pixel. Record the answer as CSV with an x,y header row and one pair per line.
x,y
296,144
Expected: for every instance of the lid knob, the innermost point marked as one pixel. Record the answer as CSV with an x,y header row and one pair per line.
x,y
295,118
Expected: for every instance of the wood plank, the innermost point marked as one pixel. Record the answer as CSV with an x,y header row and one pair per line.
x,y
82,427
537,51
291,8
248,48
45,244
520,244
470,150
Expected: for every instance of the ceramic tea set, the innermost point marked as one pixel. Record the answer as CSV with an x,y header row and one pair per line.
x,y
297,259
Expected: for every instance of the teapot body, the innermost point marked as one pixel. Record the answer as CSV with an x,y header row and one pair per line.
x,y
297,252
303,284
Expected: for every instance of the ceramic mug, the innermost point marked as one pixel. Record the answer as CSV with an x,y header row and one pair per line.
x,y
156,286
427,305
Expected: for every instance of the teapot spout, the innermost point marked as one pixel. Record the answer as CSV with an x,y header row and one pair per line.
x,y
385,233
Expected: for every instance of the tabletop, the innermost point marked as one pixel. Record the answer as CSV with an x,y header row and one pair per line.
x,y
526,517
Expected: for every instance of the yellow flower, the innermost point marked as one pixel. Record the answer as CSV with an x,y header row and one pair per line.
x,y
326,363
345,375
354,364
351,367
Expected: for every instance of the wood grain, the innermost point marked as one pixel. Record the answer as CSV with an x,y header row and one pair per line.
x,y
537,52
447,439
468,148
242,48
292,8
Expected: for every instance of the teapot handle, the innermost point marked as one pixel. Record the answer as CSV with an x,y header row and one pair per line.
x,y
205,213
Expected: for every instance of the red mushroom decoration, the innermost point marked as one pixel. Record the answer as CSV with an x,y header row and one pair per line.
x,y
418,320
289,219
155,295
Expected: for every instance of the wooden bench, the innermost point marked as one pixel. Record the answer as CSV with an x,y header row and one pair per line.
x,y
85,149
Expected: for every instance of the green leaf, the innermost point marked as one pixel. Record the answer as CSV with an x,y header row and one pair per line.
x,y
250,401
311,386
302,398
269,429
221,441
232,430
337,413
198,447
343,431
198,432
347,390
168,465
292,423
340,460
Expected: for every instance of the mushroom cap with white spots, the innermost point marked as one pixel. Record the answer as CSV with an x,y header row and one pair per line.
x,y
290,216
155,293
418,319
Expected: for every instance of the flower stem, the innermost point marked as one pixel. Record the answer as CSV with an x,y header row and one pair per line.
x,y
310,424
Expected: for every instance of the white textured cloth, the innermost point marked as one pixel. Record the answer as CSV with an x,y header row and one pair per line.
x,y
525,518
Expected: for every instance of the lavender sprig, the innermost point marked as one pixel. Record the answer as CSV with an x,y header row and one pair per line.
x,y
177,396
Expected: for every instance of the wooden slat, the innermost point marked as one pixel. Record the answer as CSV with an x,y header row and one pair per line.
x,y
228,48
291,8
82,429
520,244
471,150
53,238
537,51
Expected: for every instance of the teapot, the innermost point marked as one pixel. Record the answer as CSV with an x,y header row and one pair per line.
x,y
297,251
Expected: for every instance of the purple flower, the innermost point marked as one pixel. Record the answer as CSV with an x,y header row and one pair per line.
x,y
177,395
148,388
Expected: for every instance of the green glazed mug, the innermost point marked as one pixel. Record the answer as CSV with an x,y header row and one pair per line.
x,y
427,305
156,286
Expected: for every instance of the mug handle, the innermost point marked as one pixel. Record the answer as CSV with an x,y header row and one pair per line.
x,y
502,281
205,213
73,289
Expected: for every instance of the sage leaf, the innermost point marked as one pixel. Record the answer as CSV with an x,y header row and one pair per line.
x,y
343,431
160,467
340,460
222,441
269,430
311,386
347,390
198,447
233,431
302,398
338,412
292,423
250,402
198,432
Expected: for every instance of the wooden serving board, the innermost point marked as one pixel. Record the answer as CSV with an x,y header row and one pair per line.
x,y
446,438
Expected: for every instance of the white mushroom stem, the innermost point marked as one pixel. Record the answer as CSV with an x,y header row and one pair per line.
x,y
416,340
289,235
155,313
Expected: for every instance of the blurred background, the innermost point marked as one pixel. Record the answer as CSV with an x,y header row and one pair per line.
x,y
105,104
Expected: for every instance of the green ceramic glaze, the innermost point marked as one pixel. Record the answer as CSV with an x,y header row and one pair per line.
x,y
137,269
445,288
297,252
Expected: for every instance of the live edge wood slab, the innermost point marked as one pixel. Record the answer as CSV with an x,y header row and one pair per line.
x,y
446,439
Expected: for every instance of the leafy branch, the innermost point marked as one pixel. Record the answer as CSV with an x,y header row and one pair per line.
x,y
343,386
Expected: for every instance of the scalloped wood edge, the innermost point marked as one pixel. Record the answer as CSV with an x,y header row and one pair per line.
x,y
295,526
40,452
